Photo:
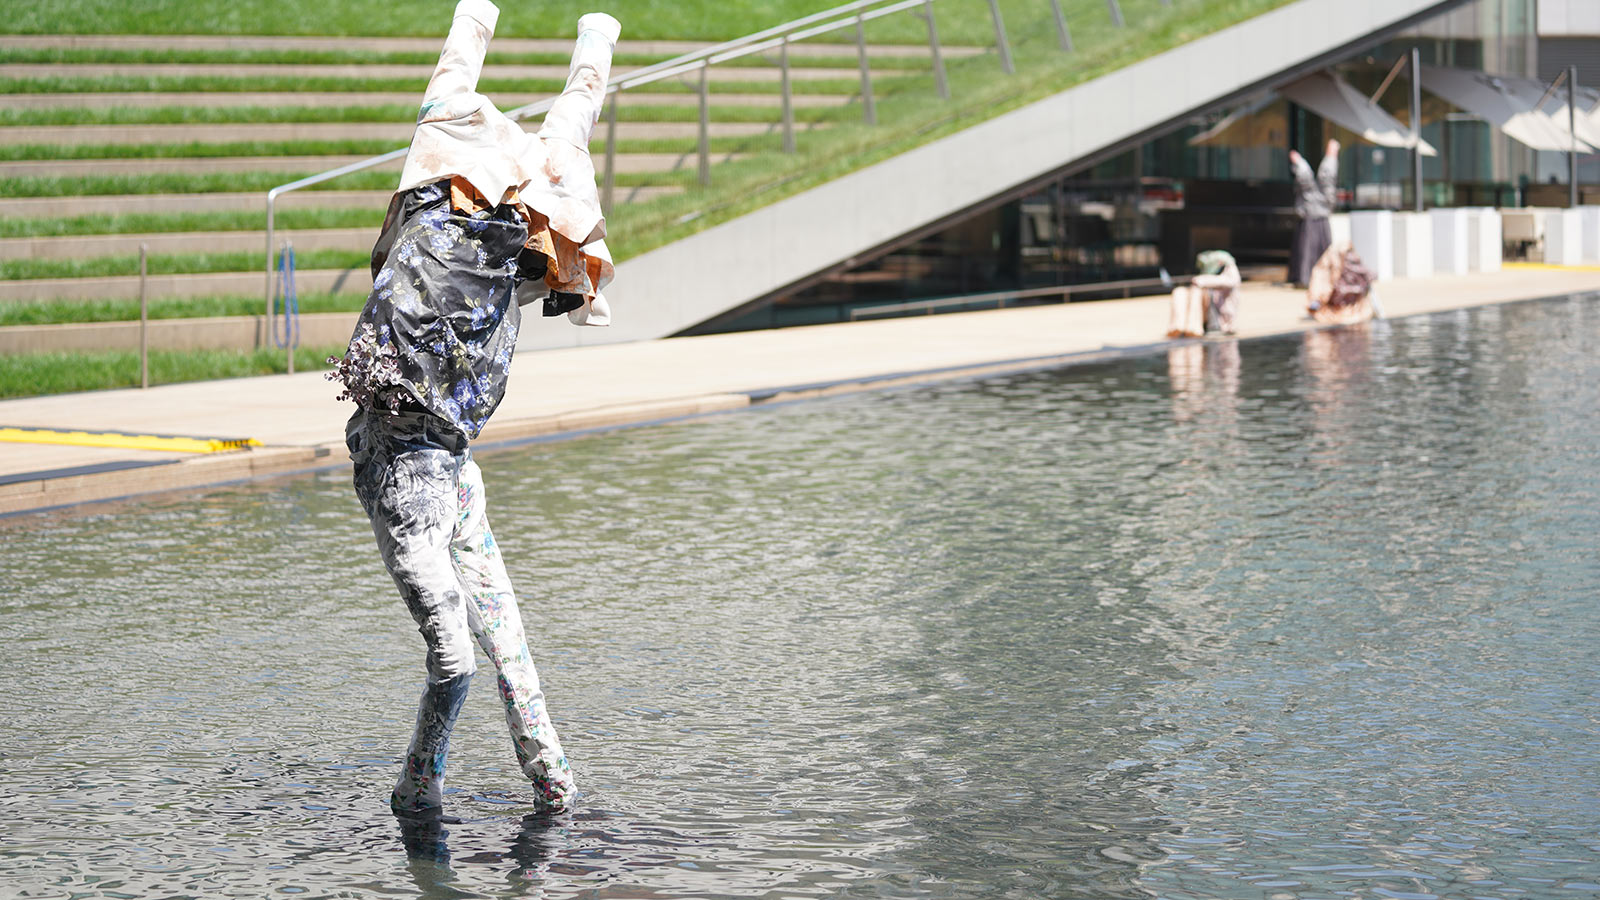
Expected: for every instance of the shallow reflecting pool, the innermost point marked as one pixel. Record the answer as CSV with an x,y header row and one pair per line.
x,y
1309,617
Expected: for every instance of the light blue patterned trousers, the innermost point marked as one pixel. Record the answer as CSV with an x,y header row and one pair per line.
x,y
424,495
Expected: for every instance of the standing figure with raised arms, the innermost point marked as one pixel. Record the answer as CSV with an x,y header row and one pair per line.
x,y
486,218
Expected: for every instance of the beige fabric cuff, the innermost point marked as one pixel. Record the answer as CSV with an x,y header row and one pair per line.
x,y
603,23
481,11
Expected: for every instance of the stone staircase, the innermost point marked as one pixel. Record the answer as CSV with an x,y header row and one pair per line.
x,y
102,152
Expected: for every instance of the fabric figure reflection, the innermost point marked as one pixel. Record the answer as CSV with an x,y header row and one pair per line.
x,y
416,479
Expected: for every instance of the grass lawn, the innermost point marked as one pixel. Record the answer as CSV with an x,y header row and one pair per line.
x,y
28,375
326,57
959,22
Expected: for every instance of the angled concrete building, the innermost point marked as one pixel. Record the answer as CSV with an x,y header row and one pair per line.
x,y
1099,183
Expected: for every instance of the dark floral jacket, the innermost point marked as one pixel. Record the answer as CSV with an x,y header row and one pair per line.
x,y
440,326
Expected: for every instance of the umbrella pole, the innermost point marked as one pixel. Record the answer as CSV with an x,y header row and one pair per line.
x,y
1416,127
1572,127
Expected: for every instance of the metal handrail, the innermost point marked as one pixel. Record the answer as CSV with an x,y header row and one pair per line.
x,y
1000,298
779,37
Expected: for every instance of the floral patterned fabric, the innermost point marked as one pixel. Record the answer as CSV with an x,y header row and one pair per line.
x,y
424,496
440,326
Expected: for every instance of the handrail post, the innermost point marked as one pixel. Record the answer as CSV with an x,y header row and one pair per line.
x,y
705,122
288,287
1116,13
609,191
266,320
1416,126
144,319
788,97
868,111
1000,42
1572,127
1063,35
938,55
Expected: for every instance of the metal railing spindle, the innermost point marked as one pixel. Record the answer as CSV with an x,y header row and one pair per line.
x,y
868,112
1000,42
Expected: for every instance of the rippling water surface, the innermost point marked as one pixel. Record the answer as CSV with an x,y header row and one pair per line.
x,y
1308,617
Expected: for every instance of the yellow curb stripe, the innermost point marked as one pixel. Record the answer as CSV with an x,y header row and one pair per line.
x,y
122,441
1549,267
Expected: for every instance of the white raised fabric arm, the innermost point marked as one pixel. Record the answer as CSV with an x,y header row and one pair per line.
x,y
573,116
461,59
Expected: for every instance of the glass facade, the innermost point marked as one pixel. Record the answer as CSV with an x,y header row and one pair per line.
x,y
1221,180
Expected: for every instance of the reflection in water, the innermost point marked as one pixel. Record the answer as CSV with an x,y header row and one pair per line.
x,y
1204,378
1292,618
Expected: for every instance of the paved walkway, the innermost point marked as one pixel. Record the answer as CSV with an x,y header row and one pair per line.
x,y
300,424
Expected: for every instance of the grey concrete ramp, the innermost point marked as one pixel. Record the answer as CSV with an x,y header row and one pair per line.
x,y
727,266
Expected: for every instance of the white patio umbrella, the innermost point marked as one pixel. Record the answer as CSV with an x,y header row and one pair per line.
x,y
1259,123
1332,98
1506,103
1588,117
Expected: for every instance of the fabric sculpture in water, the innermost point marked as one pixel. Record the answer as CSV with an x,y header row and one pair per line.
x,y
486,218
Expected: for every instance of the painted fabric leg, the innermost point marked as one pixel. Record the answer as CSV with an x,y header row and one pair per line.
x,y
497,624
420,787
410,498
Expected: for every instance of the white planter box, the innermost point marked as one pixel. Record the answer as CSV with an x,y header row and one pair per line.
x,y
1450,256
1589,220
1372,234
1563,237
1339,225
1485,251
1413,245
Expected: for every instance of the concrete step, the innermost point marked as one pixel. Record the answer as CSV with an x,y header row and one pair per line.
x,y
501,44
67,168
326,99
126,287
128,204
84,246
751,71
398,132
216,333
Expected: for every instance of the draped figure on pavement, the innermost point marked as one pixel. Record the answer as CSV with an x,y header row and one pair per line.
x,y
486,218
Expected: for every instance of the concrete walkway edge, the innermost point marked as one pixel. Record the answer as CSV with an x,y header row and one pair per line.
x,y
45,493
